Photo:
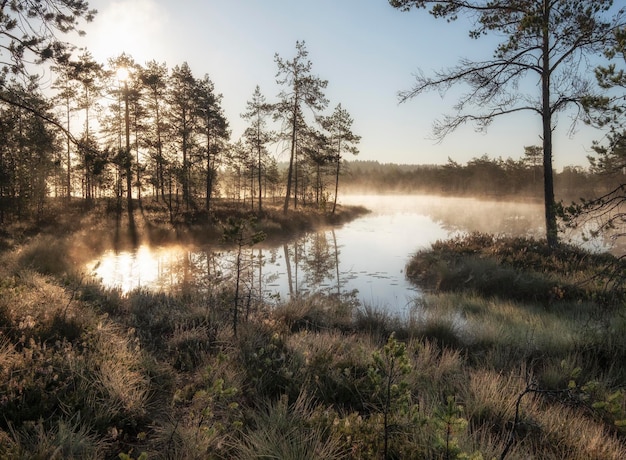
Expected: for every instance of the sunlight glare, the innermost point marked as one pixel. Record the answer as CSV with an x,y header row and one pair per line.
x,y
129,270
131,26
122,74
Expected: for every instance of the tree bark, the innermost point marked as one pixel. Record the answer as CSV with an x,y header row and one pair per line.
x,y
292,155
546,113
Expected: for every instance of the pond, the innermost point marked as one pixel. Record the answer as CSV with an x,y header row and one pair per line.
x,y
364,258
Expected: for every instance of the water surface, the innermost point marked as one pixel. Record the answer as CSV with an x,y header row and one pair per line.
x,y
365,257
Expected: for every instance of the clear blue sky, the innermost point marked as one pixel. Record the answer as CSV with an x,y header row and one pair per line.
x,y
366,50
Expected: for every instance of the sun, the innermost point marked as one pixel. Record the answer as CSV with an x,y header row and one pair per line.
x,y
134,27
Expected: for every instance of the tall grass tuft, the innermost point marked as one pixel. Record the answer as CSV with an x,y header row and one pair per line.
x,y
376,322
189,345
437,371
335,368
117,387
65,439
287,431
315,312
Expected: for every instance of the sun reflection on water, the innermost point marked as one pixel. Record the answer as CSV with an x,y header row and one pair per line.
x,y
144,267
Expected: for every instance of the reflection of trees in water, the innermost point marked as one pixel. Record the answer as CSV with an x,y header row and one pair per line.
x,y
318,261
312,264
203,272
178,271
212,274
293,256
336,252
288,268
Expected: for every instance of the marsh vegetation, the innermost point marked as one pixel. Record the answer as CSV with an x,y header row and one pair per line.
x,y
513,349
512,352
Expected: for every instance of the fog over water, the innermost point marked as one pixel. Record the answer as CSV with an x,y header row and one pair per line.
x,y
365,257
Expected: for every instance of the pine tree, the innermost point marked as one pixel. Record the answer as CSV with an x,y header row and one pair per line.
x,y
548,41
342,139
301,89
257,134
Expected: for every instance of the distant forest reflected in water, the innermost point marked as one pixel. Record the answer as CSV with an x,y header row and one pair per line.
x,y
363,259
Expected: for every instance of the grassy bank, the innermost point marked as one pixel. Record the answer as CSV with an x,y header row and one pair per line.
x,y
102,224
530,366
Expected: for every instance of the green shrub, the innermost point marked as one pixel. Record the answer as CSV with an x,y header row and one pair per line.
x,y
271,367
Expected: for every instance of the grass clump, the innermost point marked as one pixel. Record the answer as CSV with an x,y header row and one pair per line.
x,y
290,431
520,269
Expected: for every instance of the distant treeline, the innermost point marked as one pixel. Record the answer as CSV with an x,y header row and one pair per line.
x,y
483,177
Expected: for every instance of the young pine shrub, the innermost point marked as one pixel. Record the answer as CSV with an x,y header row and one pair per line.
x,y
450,426
272,368
205,413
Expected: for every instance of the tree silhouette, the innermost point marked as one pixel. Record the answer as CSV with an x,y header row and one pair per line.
x,y
257,133
214,126
609,109
342,139
182,95
301,89
545,40
154,81
29,32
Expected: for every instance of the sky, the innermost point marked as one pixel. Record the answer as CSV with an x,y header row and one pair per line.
x,y
367,50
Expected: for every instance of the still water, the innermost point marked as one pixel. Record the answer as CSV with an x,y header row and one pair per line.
x,y
365,257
